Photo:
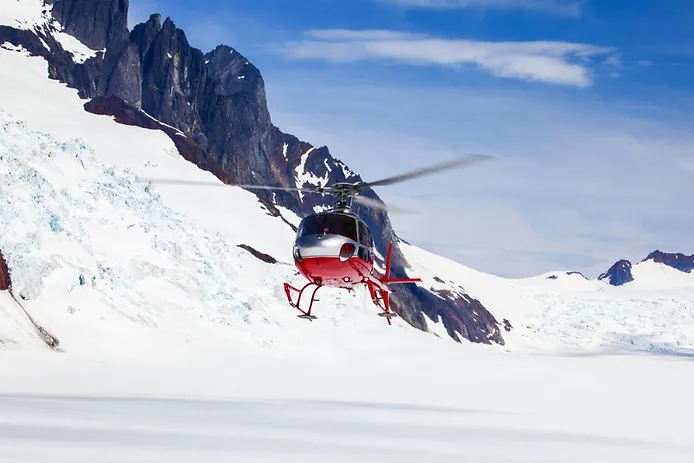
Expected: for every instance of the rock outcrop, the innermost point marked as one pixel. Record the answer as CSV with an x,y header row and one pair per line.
x,y
679,261
619,274
213,105
99,24
5,282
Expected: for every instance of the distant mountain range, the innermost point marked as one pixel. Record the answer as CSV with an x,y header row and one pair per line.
x,y
620,273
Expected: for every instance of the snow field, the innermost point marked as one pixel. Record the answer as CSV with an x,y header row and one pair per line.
x,y
572,314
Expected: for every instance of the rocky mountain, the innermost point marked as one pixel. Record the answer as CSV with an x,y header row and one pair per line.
x,y
213,106
620,273
677,261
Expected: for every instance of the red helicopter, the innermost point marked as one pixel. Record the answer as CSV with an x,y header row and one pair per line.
x,y
335,248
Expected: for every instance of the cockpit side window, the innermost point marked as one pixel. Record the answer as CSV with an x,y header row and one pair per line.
x,y
335,224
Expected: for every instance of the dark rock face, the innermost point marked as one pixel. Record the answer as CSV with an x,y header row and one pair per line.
x,y
121,75
5,282
460,315
217,101
173,76
260,255
619,274
678,260
554,277
98,24
577,273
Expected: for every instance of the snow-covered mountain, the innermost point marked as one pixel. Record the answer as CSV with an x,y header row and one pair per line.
x,y
95,255
213,108
673,265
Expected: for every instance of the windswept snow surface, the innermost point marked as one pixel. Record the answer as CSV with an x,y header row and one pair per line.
x,y
179,346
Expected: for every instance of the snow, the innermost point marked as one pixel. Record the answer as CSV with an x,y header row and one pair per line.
x,y
303,177
15,327
79,51
10,47
177,345
24,14
398,406
34,15
651,275
572,314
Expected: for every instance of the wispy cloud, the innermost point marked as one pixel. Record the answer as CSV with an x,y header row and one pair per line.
x,y
561,63
560,7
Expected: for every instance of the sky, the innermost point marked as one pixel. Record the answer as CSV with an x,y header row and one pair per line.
x,y
586,105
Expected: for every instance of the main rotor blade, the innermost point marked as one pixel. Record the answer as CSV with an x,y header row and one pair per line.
x,y
370,202
465,160
222,184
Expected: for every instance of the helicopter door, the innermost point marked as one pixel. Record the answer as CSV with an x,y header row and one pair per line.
x,y
364,242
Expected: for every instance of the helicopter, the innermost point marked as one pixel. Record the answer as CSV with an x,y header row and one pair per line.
x,y
335,248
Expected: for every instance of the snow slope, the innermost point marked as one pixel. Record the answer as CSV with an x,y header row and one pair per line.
x,y
575,314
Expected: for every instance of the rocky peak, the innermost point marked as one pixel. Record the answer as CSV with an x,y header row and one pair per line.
x,y
173,76
234,72
98,24
619,274
678,260
5,282
144,33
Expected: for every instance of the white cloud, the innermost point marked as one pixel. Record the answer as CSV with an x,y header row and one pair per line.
x,y
561,7
560,63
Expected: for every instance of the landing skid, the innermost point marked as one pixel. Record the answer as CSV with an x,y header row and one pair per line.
x,y
388,315
306,315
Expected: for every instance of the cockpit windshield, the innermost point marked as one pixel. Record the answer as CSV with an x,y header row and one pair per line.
x,y
335,224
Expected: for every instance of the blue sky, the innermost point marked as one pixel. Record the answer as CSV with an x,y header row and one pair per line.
x,y
588,106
